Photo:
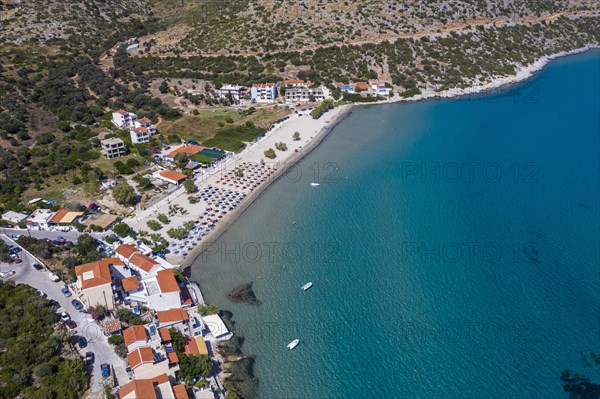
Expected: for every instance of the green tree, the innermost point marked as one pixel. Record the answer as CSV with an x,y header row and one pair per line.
x,y
270,153
190,186
124,194
122,229
153,225
115,339
164,219
296,136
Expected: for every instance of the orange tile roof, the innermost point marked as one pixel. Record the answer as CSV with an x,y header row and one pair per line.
x,y
134,334
294,81
190,149
126,250
122,112
191,348
140,356
130,284
145,120
180,392
362,85
57,217
173,358
172,315
142,261
175,176
143,389
166,281
164,334
96,273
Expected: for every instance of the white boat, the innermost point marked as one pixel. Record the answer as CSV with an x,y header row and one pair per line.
x,y
314,184
293,344
307,286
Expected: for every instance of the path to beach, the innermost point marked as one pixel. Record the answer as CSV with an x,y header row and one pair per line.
x,y
223,196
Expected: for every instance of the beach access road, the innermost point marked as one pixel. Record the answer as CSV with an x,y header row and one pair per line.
x,y
71,235
97,342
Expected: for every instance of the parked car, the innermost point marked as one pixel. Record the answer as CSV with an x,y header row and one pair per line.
x,y
71,324
78,305
92,206
43,294
17,260
66,291
80,341
53,277
37,266
105,368
65,316
54,304
89,358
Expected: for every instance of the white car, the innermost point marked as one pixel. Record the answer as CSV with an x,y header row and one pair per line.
x,y
64,316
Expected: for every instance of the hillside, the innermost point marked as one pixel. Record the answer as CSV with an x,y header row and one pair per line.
x,y
252,26
64,69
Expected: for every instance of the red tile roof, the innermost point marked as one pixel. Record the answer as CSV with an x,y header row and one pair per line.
x,y
174,176
173,358
362,85
172,315
166,281
134,334
190,149
126,250
57,217
143,262
180,392
130,284
96,273
294,81
143,389
140,356
164,334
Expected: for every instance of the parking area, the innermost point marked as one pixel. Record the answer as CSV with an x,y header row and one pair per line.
x,y
97,342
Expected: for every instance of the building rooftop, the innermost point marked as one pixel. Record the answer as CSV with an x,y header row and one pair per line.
x,y
126,250
142,261
190,149
164,334
130,284
172,315
175,176
139,356
166,281
96,273
112,141
145,388
134,334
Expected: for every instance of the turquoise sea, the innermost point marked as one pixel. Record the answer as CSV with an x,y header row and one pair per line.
x,y
453,246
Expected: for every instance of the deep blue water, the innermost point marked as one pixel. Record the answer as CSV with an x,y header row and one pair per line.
x,y
453,246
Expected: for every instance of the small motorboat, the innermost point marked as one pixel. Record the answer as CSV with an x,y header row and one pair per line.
x,y
315,184
307,286
293,344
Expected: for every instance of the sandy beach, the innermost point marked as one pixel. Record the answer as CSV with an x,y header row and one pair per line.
x,y
215,211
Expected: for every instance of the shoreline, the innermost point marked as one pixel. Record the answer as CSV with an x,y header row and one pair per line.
x,y
342,113
522,74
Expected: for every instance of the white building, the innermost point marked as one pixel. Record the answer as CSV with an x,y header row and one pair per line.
x,y
123,119
113,148
380,88
218,330
139,135
264,92
40,219
109,183
146,123
305,94
236,92
14,217
162,291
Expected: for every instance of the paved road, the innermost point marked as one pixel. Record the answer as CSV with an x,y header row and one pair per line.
x,y
97,342
49,234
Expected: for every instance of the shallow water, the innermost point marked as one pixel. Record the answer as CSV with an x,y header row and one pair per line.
x,y
453,246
